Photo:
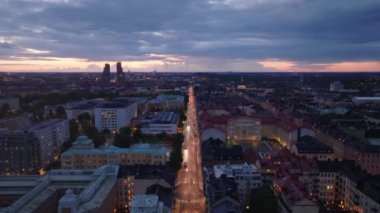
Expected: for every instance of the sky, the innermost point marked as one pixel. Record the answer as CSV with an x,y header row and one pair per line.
x,y
190,35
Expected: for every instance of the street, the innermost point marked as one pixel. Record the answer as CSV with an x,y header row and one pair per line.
x,y
189,184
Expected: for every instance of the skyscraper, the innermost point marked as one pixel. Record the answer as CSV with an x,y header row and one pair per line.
x,y
119,72
106,75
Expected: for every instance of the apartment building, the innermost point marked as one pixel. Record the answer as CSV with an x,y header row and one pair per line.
x,y
138,180
312,148
343,184
84,155
74,109
63,191
51,135
246,176
19,153
167,102
166,122
244,130
366,156
115,114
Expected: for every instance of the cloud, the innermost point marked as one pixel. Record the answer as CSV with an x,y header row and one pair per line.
x,y
193,33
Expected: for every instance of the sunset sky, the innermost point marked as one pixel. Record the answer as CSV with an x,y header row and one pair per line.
x,y
190,35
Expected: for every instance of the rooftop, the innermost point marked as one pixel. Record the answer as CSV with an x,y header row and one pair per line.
x,y
162,118
44,124
136,148
230,170
146,204
116,103
308,144
148,172
95,184
169,98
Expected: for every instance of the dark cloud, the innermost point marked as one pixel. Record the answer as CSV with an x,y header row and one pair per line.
x,y
300,30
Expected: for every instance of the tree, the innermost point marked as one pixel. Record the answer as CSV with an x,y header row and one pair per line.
x,y
176,158
137,134
162,136
4,110
84,116
74,130
60,112
123,138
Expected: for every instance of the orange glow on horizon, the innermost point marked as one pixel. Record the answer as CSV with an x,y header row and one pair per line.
x,y
370,66
278,65
168,62
41,64
292,66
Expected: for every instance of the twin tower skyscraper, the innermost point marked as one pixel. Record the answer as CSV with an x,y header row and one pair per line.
x,y
106,75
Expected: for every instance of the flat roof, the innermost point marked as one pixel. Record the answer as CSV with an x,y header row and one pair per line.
x,y
137,148
95,184
45,124
116,103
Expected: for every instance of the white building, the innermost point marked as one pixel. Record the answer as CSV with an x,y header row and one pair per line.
x,y
161,122
336,86
247,176
51,135
115,114
146,204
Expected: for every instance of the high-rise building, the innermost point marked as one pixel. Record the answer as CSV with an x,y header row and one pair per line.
x,y
119,72
106,75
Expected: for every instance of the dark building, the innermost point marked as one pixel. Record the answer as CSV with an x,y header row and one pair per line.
x,y
222,195
119,72
18,153
106,75
214,151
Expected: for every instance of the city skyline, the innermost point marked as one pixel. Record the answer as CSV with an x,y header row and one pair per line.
x,y
214,35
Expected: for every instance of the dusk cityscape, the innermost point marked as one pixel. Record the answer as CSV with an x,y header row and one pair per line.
x,y
197,106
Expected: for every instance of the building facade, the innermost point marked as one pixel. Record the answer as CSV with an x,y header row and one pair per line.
x,y
73,110
312,148
115,114
83,155
51,135
167,102
166,122
246,176
19,153
244,130
12,102
67,191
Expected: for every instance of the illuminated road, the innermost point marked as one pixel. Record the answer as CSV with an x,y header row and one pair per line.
x,y
189,183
